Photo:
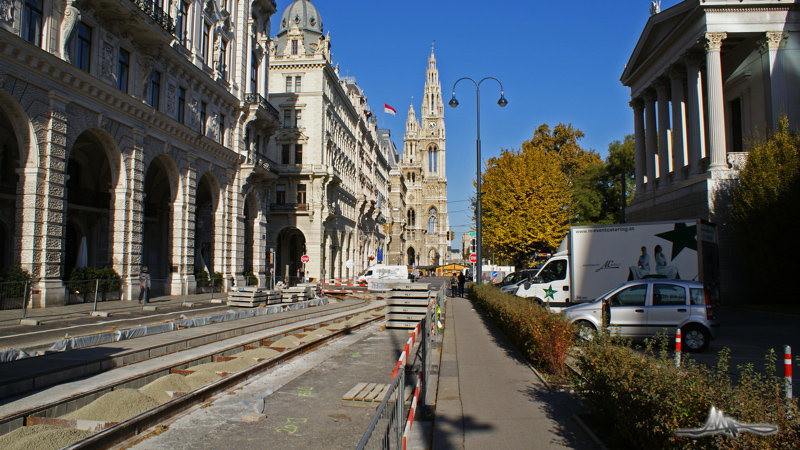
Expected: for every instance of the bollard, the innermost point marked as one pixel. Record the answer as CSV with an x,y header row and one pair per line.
x,y
678,348
787,369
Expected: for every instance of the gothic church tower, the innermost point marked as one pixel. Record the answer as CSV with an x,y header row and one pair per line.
x,y
423,164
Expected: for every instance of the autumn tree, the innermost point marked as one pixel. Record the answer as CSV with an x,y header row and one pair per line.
x,y
765,209
525,193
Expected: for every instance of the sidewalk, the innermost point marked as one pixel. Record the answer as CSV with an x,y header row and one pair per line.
x,y
488,397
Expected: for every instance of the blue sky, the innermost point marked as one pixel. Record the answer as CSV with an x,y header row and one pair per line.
x,y
559,61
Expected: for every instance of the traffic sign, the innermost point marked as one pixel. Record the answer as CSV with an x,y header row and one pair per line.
x,y
304,259
473,258
494,274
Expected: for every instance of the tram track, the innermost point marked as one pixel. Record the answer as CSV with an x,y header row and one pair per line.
x,y
136,375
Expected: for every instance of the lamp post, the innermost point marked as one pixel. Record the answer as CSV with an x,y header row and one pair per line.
x,y
453,103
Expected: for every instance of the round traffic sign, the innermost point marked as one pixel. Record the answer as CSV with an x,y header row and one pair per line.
x,y
304,259
494,274
473,258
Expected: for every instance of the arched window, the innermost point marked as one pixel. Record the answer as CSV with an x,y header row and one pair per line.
x,y
432,159
432,220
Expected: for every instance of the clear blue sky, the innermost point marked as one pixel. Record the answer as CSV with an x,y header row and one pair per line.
x,y
559,61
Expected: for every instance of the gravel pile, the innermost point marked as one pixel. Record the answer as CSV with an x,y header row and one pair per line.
x,y
200,379
255,353
116,406
157,390
41,437
287,342
336,326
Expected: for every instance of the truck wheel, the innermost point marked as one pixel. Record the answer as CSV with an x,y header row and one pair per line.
x,y
695,337
584,329
538,301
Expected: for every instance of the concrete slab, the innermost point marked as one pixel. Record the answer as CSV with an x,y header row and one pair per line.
x,y
149,308
29,322
99,314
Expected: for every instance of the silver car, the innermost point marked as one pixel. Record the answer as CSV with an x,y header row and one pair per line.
x,y
644,308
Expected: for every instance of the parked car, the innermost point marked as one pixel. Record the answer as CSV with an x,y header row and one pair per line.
x,y
643,308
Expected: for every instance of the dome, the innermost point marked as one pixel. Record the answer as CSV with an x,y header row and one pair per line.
x,y
302,13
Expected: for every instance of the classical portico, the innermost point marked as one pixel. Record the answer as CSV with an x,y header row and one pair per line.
x,y
707,79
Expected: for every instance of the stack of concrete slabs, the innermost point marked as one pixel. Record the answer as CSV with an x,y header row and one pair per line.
x,y
407,304
250,297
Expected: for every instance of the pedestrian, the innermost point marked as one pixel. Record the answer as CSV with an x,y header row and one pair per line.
x,y
453,285
144,285
461,280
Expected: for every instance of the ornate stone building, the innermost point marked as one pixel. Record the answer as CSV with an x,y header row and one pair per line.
x,y
423,167
706,78
333,187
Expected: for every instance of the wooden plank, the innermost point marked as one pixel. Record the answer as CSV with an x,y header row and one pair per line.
x,y
364,392
352,392
382,394
374,393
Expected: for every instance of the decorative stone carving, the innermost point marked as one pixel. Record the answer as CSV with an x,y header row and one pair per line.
x,y
714,41
773,40
72,16
107,62
171,98
7,12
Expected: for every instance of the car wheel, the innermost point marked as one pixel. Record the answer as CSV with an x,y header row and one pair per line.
x,y
584,329
695,338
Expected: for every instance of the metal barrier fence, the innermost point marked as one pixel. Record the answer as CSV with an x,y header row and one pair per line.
x,y
392,421
86,291
13,294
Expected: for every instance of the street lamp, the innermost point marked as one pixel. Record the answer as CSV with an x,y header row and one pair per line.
x,y
453,103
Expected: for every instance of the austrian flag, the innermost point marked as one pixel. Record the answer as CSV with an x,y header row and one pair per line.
x,y
388,109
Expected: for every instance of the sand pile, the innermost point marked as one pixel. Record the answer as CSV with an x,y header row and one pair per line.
x,y
157,390
336,326
231,366
200,379
255,353
287,342
116,406
316,334
41,437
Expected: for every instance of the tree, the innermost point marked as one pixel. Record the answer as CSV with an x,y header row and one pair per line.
x,y
525,194
597,193
764,210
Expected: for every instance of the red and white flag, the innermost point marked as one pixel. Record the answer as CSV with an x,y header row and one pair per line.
x,y
388,109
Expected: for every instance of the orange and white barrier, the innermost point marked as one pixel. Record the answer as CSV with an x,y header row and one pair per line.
x,y
678,348
410,420
787,369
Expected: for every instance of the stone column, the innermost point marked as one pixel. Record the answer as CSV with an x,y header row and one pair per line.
x,y
662,91
716,101
639,156
651,138
695,119
774,75
677,75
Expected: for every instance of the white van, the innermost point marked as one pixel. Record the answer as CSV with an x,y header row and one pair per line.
x,y
384,273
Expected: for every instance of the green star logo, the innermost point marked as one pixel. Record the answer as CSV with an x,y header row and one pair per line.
x,y
681,237
549,292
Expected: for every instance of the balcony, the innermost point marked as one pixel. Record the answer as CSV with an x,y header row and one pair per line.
x,y
261,106
288,207
156,13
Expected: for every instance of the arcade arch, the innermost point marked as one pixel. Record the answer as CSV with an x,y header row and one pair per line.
x,y
206,201
291,245
160,191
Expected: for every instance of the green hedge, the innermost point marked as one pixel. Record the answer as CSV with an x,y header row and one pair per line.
x,y
83,280
201,277
638,399
544,338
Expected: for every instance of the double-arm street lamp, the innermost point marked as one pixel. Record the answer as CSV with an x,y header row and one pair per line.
x,y
453,103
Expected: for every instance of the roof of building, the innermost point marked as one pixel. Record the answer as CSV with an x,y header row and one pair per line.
x,y
303,14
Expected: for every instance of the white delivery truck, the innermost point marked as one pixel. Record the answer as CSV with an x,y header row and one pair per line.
x,y
383,272
592,260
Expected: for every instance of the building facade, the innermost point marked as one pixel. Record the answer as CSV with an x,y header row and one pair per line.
x,y
423,167
329,199
707,78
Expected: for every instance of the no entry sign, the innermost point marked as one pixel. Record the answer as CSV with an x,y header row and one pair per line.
x,y
304,259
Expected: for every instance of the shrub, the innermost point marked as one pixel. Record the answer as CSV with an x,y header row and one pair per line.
x,y
83,280
640,399
543,337
201,277
14,273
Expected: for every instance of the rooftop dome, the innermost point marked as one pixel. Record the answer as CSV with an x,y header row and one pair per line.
x,y
304,15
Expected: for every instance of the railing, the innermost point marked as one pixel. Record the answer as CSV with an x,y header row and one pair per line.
x,y
258,99
156,13
13,294
392,422
86,291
